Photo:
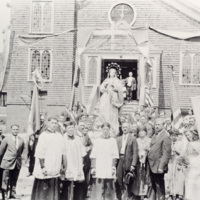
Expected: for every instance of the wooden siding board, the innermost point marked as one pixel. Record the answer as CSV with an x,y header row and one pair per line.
x,y
95,14
59,89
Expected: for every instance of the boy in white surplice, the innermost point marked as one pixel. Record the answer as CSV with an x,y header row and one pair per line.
x,y
104,155
74,152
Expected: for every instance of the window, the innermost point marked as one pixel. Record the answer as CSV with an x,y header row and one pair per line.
x,y
196,69
41,59
190,69
42,17
3,99
186,71
92,70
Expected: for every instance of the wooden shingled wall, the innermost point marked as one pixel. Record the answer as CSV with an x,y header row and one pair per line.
x,y
159,15
59,90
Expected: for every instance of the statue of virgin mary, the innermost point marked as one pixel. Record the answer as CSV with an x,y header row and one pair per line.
x,y
111,99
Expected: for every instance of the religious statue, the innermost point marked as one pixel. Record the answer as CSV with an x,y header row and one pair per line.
x,y
112,97
130,86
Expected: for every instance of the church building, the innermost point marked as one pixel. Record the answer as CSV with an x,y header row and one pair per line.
x,y
59,36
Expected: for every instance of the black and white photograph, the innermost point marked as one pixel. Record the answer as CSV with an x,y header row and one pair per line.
x,y
100,99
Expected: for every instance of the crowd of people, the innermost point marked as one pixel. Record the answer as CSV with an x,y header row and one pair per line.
x,y
80,158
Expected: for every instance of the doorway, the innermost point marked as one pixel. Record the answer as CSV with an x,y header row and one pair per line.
x,y
126,67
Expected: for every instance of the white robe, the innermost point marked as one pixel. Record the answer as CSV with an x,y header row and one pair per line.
x,y
192,183
110,102
104,151
75,151
50,147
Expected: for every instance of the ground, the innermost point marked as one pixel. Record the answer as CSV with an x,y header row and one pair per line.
x,y
24,184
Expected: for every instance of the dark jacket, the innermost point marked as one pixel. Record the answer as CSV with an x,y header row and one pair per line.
x,y
131,151
10,156
160,152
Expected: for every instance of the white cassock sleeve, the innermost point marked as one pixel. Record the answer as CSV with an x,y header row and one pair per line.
x,y
41,146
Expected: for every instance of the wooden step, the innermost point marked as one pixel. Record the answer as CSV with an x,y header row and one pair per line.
x,y
127,108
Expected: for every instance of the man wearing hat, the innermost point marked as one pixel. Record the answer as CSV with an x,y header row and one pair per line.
x,y
83,136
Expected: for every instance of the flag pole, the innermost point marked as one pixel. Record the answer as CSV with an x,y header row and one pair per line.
x,y
171,93
73,86
175,108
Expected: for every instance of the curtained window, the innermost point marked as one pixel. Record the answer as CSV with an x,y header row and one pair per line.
x,y
35,60
186,69
41,59
42,17
92,73
196,69
190,73
92,70
47,16
36,18
45,65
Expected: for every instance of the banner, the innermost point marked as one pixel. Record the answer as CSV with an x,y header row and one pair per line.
x,y
34,116
176,111
196,109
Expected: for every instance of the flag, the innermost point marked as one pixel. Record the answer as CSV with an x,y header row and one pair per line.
x,y
78,80
34,116
77,77
196,109
148,97
148,84
81,107
176,111
71,116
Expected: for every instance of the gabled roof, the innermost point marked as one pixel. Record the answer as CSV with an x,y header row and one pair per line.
x,y
189,8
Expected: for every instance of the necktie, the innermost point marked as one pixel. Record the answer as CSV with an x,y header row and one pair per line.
x,y
83,139
15,141
71,137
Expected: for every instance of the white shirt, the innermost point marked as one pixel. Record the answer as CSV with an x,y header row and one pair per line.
x,y
81,136
16,140
130,81
124,141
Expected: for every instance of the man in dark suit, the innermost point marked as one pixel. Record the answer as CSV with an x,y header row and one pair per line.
x,y
10,156
1,135
82,133
158,157
128,151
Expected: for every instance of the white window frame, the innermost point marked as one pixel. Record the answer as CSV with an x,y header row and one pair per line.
x,y
155,61
42,2
87,73
192,54
29,78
